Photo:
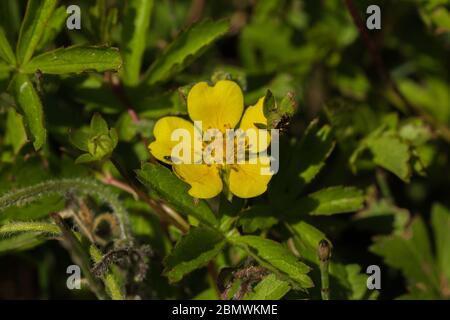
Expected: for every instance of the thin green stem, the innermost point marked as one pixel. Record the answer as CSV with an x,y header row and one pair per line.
x,y
39,227
324,254
65,187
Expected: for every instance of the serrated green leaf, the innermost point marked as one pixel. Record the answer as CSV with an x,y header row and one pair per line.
x,y
6,52
270,288
75,60
392,154
37,14
30,106
276,257
193,251
188,45
330,201
175,191
134,34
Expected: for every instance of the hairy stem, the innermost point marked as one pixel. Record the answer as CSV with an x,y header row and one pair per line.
x,y
39,227
65,187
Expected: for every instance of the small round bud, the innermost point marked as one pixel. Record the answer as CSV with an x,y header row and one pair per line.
x,y
324,250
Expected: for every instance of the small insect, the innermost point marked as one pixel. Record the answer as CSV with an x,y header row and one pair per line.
x,y
284,123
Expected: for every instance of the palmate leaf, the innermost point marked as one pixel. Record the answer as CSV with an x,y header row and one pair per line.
x,y
277,258
175,192
184,48
136,23
30,106
75,60
37,14
193,251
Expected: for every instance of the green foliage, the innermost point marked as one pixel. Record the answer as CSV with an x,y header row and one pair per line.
x,y
270,288
75,60
411,252
30,105
363,149
189,44
331,201
6,53
137,20
276,257
33,27
193,251
170,188
98,140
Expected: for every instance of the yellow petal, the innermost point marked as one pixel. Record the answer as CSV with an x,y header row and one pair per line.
x,y
204,180
248,180
218,107
255,114
162,147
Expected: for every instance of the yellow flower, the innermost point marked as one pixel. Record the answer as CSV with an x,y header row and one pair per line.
x,y
218,107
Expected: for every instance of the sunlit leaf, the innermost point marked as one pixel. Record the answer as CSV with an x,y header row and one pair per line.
x,y
75,60
187,46
193,251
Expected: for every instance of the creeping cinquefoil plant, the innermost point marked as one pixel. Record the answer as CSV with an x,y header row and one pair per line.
x,y
235,150
222,155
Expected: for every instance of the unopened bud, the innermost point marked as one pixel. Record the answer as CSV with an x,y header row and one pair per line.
x,y
324,250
